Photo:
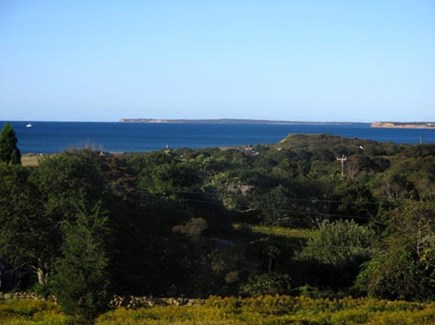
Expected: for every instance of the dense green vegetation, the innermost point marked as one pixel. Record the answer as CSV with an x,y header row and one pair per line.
x,y
250,221
9,152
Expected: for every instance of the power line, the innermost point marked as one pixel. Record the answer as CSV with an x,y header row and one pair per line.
x,y
311,200
287,210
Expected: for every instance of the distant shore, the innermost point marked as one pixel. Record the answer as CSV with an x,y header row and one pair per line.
x,y
229,121
404,125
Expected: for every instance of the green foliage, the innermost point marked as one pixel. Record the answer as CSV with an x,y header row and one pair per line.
x,y
396,275
403,266
14,312
332,256
354,198
396,186
314,292
193,227
9,152
266,284
158,245
65,177
290,233
61,180
212,268
338,243
274,207
163,173
424,150
81,280
25,229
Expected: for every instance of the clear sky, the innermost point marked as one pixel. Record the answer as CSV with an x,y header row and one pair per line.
x,y
306,60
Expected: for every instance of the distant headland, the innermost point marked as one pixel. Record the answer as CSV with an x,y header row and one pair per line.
x,y
228,121
404,125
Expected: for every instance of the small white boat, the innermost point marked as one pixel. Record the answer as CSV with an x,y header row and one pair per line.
x,y
29,125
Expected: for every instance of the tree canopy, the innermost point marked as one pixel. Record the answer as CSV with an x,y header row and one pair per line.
x,y
9,152
268,219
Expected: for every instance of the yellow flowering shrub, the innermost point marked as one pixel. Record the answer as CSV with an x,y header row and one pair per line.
x,y
275,310
279,310
14,312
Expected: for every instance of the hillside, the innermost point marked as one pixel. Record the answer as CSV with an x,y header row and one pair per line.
x,y
284,219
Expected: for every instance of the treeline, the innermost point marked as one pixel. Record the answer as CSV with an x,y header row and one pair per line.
x,y
85,225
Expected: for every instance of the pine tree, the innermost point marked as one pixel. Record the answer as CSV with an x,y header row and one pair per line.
x,y
9,152
81,279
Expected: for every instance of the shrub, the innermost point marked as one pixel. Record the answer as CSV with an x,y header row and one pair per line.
x,y
33,312
193,227
278,310
403,267
338,243
266,284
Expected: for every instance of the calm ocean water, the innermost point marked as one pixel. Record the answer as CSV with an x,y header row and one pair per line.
x,y
49,137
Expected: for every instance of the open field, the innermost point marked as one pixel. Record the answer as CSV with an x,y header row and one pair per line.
x,y
31,160
216,310
295,233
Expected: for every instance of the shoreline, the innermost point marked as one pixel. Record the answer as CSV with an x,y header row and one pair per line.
x,y
229,121
403,125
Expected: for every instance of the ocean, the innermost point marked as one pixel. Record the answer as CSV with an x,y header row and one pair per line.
x,y
51,137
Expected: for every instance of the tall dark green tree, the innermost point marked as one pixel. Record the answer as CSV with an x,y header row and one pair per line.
x,y
9,152
25,236
81,278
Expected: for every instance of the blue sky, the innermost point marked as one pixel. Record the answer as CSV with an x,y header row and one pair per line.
x,y
324,60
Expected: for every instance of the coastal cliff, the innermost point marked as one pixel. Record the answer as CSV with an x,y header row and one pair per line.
x,y
404,125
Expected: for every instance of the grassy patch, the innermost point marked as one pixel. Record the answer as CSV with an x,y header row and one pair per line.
x,y
295,233
31,160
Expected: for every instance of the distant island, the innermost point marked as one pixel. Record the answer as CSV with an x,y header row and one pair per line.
x,y
228,121
404,125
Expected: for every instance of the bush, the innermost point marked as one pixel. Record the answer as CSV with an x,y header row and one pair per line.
x,y
266,284
338,243
395,275
193,227
403,267
33,312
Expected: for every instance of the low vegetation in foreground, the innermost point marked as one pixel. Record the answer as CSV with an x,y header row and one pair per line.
x,y
318,216
231,310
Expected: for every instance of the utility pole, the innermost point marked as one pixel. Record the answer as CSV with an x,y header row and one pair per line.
x,y
342,160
